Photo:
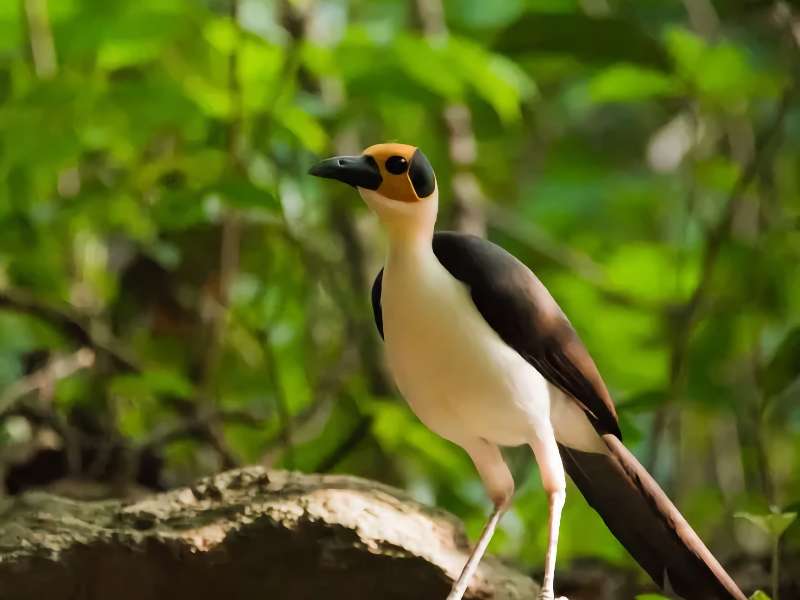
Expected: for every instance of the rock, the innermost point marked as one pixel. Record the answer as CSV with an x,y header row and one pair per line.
x,y
243,534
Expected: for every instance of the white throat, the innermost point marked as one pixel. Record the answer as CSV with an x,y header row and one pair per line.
x,y
408,224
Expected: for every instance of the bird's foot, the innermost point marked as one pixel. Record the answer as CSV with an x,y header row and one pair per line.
x,y
549,595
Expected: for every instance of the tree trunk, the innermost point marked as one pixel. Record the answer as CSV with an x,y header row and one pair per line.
x,y
248,534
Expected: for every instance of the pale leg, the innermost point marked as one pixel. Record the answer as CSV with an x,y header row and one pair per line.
x,y
553,481
500,486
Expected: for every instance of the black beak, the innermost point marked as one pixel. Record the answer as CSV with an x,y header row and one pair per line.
x,y
358,171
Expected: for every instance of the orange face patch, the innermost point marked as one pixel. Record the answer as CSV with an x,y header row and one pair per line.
x,y
406,173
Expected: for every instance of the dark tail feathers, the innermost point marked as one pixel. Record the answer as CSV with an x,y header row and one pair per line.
x,y
644,520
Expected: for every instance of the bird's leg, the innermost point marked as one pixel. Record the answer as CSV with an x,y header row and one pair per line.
x,y
554,483
460,586
556,502
500,485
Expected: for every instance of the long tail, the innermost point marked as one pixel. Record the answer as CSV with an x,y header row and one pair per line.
x,y
644,520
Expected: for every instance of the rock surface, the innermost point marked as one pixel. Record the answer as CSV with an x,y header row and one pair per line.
x,y
242,534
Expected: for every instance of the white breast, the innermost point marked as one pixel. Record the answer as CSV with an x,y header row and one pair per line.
x,y
456,373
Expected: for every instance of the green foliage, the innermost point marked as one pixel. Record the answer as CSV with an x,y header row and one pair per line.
x,y
155,208
773,524
720,73
624,82
596,40
781,370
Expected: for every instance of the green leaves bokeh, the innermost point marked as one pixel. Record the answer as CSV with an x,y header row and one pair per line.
x,y
155,207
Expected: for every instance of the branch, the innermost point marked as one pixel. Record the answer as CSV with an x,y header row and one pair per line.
x,y
56,369
688,315
203,421
229,256
347,445
284,416
70,325
580,264
719,233
468,199
309,422
43,49
231,226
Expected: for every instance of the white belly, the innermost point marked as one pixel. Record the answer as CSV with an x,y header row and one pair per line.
x,y
456,373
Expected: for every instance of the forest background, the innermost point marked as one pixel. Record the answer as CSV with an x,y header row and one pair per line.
x,y
178,297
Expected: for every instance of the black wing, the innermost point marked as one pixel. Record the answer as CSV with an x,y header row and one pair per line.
x,y
376,302
524,314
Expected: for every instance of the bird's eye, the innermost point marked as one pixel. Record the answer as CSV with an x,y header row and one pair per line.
x,y
396,165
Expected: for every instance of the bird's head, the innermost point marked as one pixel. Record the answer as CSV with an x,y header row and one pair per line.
x,y
395,180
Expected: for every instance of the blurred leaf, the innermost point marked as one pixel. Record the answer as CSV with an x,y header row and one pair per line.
x,y
773,524
633,333
784,366
632,433
396,427
136,36
722,74
118,31
628,83
10,32
222,33
241,193
74,391
495,79
717,173
390,423
759,595
429,66
686,49
305,127
593,40
481,14
138,399
648,400
261,76
649,271
21,333
151,383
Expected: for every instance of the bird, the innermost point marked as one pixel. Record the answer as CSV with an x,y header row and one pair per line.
x,y
486,359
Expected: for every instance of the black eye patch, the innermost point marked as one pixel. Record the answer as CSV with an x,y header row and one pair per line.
x,y
421,175
396,165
